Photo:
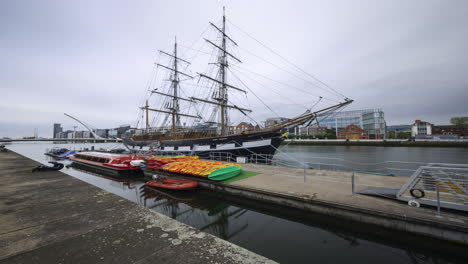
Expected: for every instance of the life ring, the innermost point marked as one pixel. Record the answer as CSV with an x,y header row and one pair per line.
x,y
417,193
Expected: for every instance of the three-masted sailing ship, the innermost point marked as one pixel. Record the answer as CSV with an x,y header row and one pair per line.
x,y
211,136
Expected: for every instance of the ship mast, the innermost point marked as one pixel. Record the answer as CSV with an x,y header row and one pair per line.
x,y
221,97
175,84
175,81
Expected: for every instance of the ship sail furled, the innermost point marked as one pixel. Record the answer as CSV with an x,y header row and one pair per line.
x,y
172,106
221,96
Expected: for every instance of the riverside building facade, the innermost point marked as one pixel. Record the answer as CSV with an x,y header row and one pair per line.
x,y
371,120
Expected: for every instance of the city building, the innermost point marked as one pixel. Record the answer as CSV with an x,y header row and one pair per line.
x,y
352,132
62,134
86,134
243,127
57,129
112,133
70,134
102,132
271,122
372,120
312,130
421,128
450,130
121,130
399,128
374,124
129,133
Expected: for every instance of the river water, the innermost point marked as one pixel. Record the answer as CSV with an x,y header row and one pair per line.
x,y
282,234
397,160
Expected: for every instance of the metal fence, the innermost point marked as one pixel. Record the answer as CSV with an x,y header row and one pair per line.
x,y
441,185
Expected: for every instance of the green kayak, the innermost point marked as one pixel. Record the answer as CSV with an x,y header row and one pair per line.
x,y
224,173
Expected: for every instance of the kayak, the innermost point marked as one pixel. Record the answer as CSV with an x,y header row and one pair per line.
x,y
225,173
213,170
172,184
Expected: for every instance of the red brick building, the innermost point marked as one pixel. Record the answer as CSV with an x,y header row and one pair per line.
x,y
353,132
450,130
243,127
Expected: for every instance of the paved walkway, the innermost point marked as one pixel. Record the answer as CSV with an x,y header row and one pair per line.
x,y
335,187
50,217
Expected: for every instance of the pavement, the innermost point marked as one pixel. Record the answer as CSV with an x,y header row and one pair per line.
x,y
50,217
335,187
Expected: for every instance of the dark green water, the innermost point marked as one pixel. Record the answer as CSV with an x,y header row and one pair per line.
x,y
281,234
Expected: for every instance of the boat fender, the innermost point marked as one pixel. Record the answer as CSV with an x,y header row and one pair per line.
x,y
417,193
136,163
413,203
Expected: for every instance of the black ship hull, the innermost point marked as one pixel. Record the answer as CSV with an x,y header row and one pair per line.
x,y
243,145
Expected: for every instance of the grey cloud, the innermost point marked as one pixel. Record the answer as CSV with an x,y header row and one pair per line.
x,y
94,58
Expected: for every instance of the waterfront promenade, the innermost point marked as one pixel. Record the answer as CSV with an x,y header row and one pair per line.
x,y
50,217
330,193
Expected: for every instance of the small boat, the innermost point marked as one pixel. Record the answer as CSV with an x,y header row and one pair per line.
x,y
172,184
56,152
109,162
66,154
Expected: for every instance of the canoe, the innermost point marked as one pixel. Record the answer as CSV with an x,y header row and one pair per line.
x,y
172,184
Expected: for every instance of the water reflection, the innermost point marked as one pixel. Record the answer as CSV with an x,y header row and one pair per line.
x,y
205,213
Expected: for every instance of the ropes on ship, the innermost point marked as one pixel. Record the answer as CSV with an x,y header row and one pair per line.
x,y
206,89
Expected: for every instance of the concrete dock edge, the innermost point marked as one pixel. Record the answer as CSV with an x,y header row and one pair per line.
x,y
443,231
51,217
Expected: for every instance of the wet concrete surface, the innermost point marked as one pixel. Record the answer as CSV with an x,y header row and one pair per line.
x,y
50,217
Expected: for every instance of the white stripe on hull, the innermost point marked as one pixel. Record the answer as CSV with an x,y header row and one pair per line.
x,y
231,146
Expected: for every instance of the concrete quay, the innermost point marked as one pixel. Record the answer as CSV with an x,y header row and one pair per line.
x,y
330,193
50,217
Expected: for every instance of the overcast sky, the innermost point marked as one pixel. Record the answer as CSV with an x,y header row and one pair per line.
x,y
93,59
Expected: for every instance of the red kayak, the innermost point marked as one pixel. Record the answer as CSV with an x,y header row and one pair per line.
x,y
173,184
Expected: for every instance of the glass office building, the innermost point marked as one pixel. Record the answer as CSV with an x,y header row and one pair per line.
x,y
371,120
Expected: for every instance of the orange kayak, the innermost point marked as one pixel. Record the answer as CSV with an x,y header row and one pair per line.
x,y
173,184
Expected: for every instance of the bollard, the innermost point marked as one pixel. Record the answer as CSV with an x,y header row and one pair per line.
x,y
352,183
438,201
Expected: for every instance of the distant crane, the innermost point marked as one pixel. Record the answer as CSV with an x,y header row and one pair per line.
x,y
90,128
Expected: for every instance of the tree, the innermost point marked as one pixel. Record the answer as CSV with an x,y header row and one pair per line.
x,y
459,121
403,135
391,134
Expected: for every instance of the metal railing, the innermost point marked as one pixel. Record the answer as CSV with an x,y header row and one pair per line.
x,y
442,185
222,156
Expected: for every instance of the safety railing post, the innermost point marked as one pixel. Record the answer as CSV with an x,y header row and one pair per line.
x,y
304,172
352,182
438,201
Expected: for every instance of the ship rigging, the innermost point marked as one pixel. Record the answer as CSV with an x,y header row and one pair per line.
x,y
205,135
